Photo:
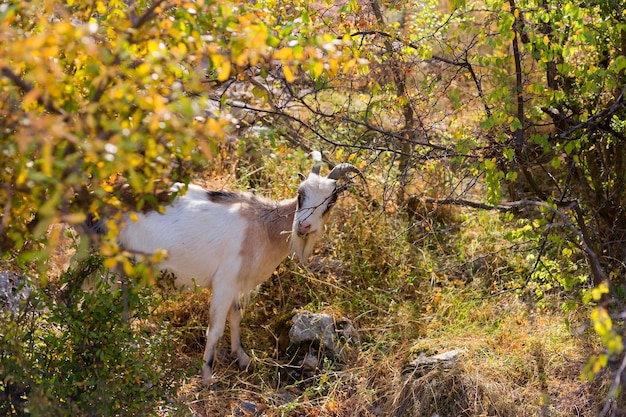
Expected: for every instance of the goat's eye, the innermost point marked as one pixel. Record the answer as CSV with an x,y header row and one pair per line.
x,y
300,199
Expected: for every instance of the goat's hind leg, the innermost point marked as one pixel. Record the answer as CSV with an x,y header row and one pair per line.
x,y
236,349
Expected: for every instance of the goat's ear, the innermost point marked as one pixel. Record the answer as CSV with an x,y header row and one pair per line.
x,y
302,177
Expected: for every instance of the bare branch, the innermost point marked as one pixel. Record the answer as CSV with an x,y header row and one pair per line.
x,y
463,63
585,242
465,203
448,152
147,15
593,121
506,206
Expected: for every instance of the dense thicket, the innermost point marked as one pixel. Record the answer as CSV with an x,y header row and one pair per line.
x,y
511,106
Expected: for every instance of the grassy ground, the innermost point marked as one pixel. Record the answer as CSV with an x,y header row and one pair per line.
x,y
438,282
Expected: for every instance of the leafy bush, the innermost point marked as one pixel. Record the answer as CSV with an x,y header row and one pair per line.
x,y
73,353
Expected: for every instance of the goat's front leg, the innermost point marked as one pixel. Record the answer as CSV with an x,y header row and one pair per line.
x,y
236,350
221,303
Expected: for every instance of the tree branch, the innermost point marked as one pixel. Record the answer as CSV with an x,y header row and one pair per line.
x,y
27,88
610,399
585,241
147,15
136,24
593,121
597,271
520,145
507,206
399,79
464,63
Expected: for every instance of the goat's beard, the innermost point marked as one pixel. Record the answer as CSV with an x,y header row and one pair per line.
x,y
303,245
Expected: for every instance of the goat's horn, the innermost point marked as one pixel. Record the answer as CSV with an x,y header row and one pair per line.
x,y
342,169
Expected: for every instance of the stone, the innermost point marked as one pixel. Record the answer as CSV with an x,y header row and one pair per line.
x,y
14,290
319,341
247,408
313,327
447,359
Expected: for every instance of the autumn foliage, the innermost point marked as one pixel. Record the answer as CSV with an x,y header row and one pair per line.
x,y
456,111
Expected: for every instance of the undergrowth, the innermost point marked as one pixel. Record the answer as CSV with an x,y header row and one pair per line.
x,y
433,282
414,284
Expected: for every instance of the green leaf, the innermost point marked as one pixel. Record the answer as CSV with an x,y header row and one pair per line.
x,y
516,124
618,64
455,98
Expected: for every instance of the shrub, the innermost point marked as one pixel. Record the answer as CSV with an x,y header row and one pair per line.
x,y
72,353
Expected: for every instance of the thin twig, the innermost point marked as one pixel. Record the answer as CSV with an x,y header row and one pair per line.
x,y
27,88
614,387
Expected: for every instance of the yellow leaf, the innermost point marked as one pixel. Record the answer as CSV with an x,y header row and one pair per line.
x,y
288,74
143,69
318,68
334,66
601,321
283,53
159,255
332,406
46,159
222,66
546,40
74,218
158,101
110,263
29,101
63,28
215,128
21,178
128,267
598,291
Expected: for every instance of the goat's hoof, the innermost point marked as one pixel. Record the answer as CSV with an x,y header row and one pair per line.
x,y
206,376
243,360
245,366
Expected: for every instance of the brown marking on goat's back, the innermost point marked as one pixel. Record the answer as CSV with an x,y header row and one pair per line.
x,y
270,223
224,197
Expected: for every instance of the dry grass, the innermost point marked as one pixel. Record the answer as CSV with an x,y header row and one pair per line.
x,y
515,361
409,289
518,359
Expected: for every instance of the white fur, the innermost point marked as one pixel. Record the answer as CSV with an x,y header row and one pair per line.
x,y
209,244
316,191
193,232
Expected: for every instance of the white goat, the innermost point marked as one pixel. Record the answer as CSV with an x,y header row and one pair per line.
x,y
233,242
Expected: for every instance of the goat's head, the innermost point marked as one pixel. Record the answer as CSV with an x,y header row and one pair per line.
x,y
316,196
